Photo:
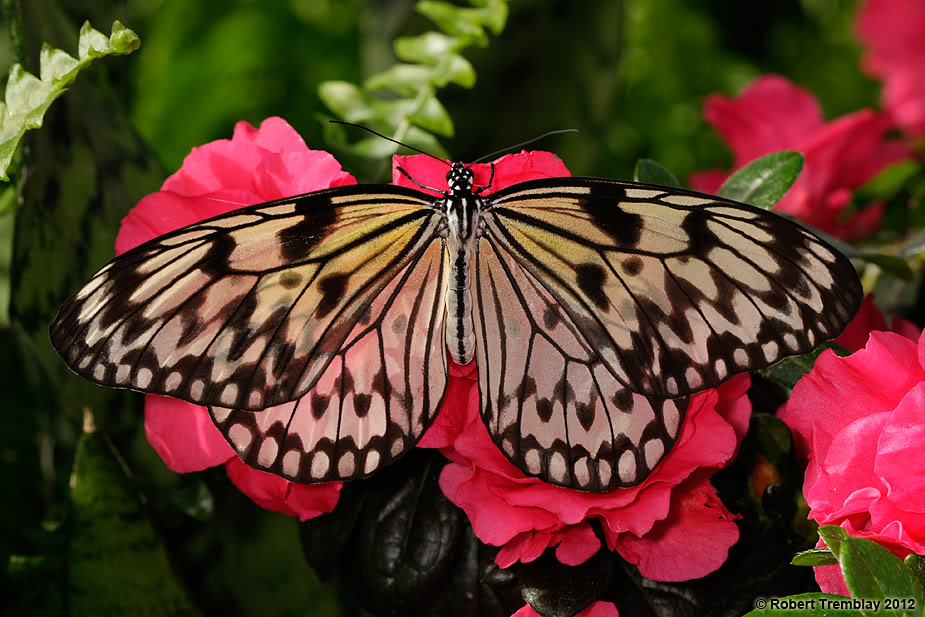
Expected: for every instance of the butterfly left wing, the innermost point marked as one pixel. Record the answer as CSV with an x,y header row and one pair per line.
x,y
676,291
374,400
326,308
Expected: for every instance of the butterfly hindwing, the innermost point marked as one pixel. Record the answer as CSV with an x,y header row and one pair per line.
x,y
549,403
676,291
374,400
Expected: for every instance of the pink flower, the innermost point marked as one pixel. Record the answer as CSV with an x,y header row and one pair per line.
x,y
858,420
894,33
254,166
597,609
870,319
672,525
772,114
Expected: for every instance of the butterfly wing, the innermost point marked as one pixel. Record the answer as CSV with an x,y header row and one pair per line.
x,y
601,305
247,309
314,294
676,291
374,400
550,404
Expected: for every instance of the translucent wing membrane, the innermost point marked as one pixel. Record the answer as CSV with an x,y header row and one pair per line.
x,y
375,398
674,290
552,407
245,310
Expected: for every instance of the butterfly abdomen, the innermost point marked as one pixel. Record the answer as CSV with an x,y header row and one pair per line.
x,y
460,336
463,211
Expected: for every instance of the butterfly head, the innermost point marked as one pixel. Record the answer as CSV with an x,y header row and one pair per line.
x,y
459,179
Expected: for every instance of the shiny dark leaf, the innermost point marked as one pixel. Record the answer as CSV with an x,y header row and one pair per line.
x,y
325,539
556,590
407,538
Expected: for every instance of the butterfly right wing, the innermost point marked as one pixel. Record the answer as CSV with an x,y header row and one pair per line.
x,y
550,404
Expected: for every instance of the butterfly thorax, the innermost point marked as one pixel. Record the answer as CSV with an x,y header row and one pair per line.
x,y
463,208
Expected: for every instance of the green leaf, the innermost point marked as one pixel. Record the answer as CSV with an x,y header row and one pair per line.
x,y
764,181
873,573
403,97
649,172
790,370
891,264
28,97
773,437
346,100
118,564
815,557
405,79
465,23
916,563
432,116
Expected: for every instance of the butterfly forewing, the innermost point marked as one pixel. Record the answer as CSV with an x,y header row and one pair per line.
x,y
374,400
676,291
247,309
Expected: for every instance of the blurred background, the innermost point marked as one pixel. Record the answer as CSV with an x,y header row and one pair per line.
x,y
630,75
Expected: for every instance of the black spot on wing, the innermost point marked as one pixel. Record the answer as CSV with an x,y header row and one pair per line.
x,y
290,280
332,288
544,409
590,279
604,206
362,404
298,240
585,415
632,266
319,405
551,316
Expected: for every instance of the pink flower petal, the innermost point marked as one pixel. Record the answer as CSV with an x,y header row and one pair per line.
x,y
772,114
894,33
846,464
837,392
278,495
898,458
859,422
668,553
509,169
576,544
274,134
183,434
829,578
523,514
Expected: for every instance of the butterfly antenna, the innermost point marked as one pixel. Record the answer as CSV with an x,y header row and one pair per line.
x,y
522,144
387,138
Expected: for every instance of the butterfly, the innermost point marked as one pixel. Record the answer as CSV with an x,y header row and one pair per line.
x,y
317,328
